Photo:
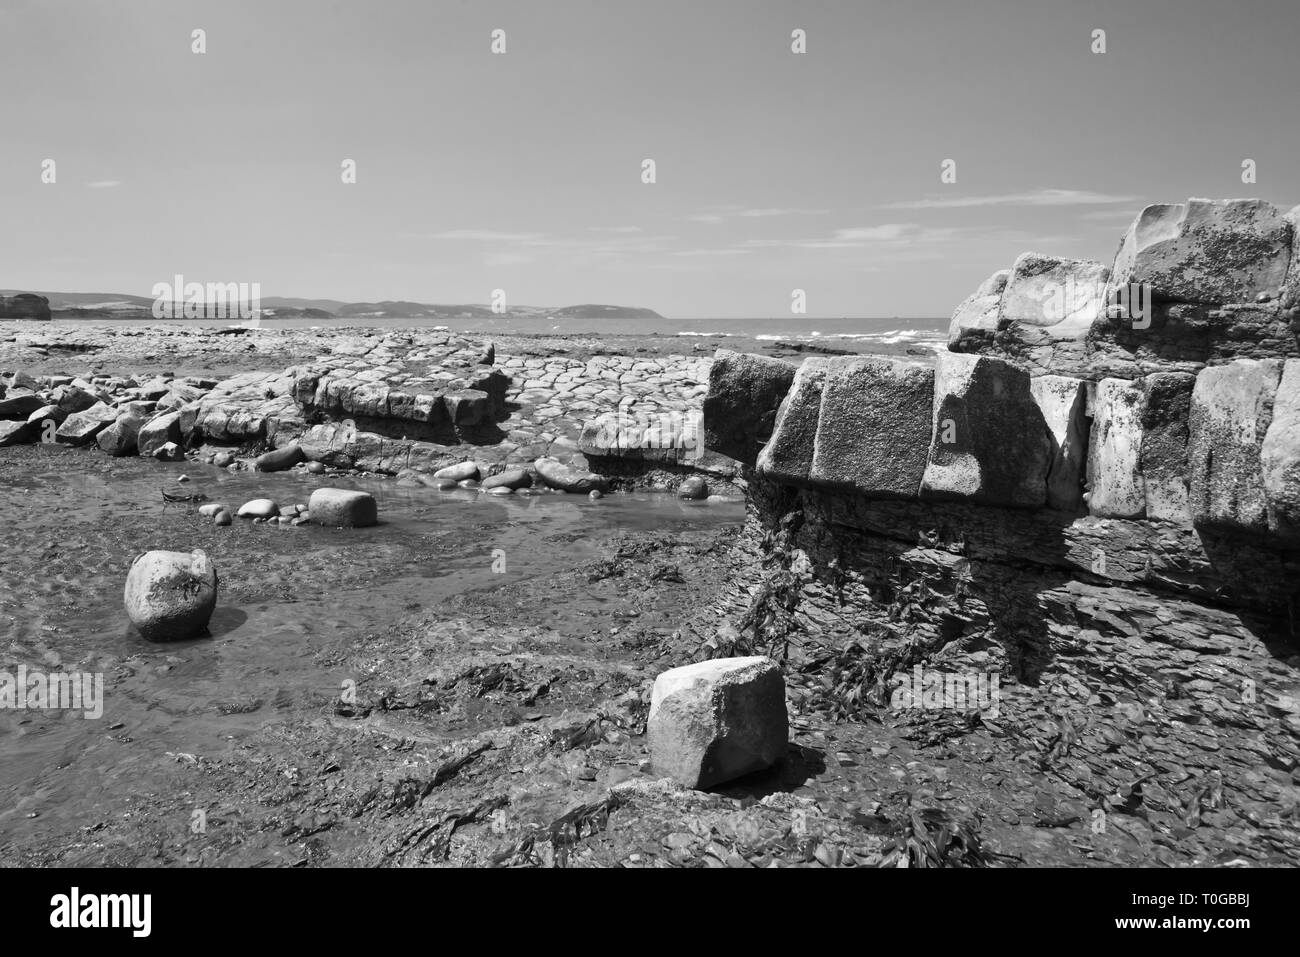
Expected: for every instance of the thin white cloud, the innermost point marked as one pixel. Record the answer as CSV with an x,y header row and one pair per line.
x,y
864,233
104,184
1039,197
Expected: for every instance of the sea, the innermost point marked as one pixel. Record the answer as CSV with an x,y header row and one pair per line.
x,y
850,334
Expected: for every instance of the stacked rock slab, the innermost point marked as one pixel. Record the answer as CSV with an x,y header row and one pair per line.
x,y
873,427
788,457
1191,284
1280,456
991,443
1063,402
740,409
1051,409
1232,410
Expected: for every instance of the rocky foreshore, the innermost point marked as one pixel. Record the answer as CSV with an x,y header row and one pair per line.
x,y
404,403
1031,603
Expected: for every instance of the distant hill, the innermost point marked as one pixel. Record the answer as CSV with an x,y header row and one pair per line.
x,y
111,305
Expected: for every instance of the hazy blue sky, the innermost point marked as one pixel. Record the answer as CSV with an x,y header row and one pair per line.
x,y
523,171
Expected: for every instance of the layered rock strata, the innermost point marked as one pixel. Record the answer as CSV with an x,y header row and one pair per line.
x,y
1102,516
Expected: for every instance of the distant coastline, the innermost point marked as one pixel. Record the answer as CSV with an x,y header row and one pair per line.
x,y
118,306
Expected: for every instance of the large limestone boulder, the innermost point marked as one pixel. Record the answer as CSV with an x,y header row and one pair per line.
x,y
18,432
1063,401
873,429
744,394
81,428
989,441
1291,291
1166,410
343,508
717,720
48,413
75,397
1217,251
788,456
1115,482
975,321
120,438
19,405
20,380
1232,408
171,595
1062,296
158,431
1280,455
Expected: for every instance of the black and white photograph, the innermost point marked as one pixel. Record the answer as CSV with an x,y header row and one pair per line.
x,y
531,435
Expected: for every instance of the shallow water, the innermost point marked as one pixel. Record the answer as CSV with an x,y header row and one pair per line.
x,y
73,521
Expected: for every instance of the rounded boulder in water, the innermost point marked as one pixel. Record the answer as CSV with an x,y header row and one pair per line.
x,y
223,518
170,596
458,472
212,508
316,468
343,508
223,459
511,479
693,488
595,494
279,460
565,478
258,508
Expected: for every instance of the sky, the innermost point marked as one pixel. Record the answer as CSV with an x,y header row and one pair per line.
x,y
522,171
